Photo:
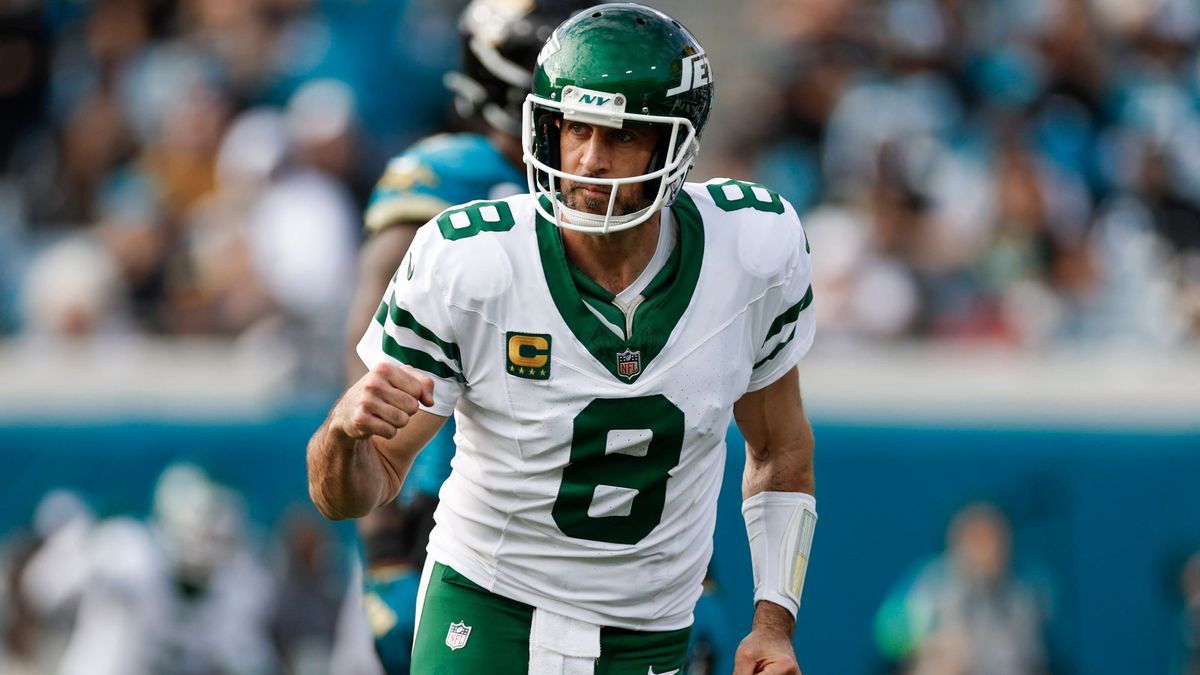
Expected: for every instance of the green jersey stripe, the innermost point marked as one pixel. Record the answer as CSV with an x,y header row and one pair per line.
x,y
419,360
403,318
778,348
788,316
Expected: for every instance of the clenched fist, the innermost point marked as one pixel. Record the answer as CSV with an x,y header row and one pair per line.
x,y
382,402
768,650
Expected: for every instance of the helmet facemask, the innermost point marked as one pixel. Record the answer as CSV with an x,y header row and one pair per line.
x,y
672,158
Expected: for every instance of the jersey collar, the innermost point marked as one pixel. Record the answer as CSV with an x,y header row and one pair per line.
x,y
667,296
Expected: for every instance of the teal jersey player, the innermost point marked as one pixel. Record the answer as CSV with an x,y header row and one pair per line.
x,y
388,598
437,173
429,177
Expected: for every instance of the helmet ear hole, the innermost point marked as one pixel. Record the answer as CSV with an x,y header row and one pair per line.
x,y
658,159
546,125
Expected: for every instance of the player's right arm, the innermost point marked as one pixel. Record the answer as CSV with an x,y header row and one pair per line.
x,y
360,455
410,192
378,260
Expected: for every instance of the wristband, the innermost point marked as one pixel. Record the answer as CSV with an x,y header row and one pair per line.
x,y
780,527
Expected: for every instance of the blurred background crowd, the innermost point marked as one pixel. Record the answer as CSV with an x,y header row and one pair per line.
x,y
1011,171
198,167
191,589
1014,173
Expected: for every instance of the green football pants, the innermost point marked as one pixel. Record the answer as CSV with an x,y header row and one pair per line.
x,y
464,629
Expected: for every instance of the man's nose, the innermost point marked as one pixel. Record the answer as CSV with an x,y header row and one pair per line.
x,y
596,154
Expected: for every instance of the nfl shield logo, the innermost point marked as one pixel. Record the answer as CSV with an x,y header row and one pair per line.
x,y
456,637
629,363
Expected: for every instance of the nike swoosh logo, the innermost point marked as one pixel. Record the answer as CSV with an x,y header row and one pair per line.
x,y
650,671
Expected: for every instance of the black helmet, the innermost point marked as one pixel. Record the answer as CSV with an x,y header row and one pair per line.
x,y
500,44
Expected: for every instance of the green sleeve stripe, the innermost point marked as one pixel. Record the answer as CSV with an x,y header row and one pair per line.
x,y
790,315
381,313
419,360
778,348
404,319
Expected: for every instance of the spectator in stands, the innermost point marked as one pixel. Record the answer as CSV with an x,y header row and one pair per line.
x,y
19,627
1189,585
1080,109
1004,142
180,593
965,612
48,588
44,569
305,617
73,290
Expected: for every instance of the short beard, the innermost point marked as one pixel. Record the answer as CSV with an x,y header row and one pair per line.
x,y
629,200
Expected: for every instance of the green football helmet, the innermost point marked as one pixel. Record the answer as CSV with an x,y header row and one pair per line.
x,y
606,66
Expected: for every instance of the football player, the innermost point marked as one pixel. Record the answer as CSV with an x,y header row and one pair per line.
x,y
500,42
593,339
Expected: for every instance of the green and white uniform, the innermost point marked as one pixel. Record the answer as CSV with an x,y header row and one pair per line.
x,y
590,442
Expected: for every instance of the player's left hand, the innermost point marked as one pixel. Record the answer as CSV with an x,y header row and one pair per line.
x,y
767,650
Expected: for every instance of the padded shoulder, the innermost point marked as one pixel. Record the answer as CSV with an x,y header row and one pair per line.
x,y
755,222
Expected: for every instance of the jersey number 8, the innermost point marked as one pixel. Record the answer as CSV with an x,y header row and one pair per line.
x,y
735,195
645,470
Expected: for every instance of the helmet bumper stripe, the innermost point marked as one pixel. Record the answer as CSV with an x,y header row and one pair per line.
x,y
507,71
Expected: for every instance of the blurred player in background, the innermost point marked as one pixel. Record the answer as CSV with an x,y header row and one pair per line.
x,y
181,593
1189,586
500,42
575,528
966,611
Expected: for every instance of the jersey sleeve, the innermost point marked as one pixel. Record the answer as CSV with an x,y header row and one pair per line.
x,y
787,324
412,325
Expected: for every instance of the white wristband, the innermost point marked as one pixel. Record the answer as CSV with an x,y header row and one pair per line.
x,y
780,527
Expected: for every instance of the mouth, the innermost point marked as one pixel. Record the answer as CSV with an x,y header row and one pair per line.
x,y
594,190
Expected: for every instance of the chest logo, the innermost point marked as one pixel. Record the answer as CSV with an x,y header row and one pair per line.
x,y
456,637
629,363
527,355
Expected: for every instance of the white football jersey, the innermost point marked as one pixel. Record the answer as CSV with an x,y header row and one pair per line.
x,y
590,444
